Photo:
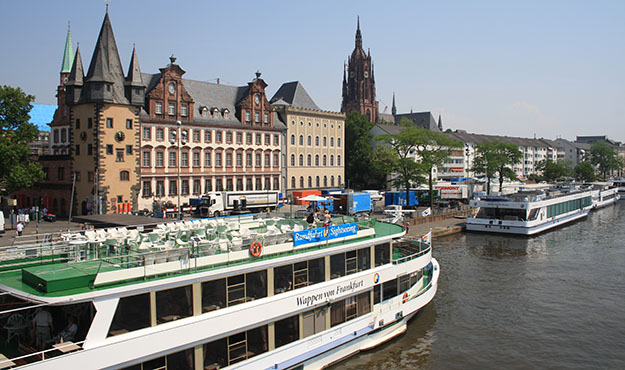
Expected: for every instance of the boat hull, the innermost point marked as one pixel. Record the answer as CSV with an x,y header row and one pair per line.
x,y
521,228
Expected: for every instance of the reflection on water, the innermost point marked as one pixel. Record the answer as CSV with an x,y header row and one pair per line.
x,y
556,300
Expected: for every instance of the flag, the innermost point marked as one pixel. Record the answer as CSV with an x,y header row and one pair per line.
x,y
427,212
427,238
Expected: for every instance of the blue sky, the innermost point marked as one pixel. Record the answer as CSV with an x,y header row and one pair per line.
x,y
517,68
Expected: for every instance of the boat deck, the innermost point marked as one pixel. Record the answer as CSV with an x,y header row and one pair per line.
x,y
93,260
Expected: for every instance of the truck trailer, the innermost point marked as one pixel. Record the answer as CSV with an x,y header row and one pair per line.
x,y
352,203
222,203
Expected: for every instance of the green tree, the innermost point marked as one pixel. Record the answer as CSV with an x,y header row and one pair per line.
x,y
16,171
382,158
553,170
605,158
495,158
358,140
584,171
431,148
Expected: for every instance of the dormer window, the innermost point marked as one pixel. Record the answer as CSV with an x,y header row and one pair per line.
x,y
247,116
183,109
215,112
158,107
256,117
204,111
172,109
266,118
226,113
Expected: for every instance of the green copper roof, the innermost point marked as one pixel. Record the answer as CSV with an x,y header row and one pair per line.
x,y
68,54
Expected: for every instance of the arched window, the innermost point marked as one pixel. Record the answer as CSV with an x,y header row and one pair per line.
x,y
325,141
317,161
317,181
339,180
309,182
301,181
317,140
301,160
325,181
124,176
309,160
338,142
292,159
338,160
309,141
325,160
331,160
301,140
293,182
292,139
331,180
331,141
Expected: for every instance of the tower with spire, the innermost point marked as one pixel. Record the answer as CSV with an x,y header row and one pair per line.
x,y
60,122
104,127
359,82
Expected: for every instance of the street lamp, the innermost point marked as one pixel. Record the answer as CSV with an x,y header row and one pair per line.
x,y
172,140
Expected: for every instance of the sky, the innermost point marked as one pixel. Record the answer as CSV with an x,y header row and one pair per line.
x,y
544,68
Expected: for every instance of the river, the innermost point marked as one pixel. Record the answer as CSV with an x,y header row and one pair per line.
x,y
553,301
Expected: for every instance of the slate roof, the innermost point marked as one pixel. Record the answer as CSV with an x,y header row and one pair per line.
x,y
479,138
294,94
210,95
423,119
105,64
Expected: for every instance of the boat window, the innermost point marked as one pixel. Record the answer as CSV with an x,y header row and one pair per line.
x,y
382,254
415,277
364,259
216,354
176,361
316,271
314,321
283,279
235,290
351,262
213,295
256,285
389,289
377,294
173,304
247,344
350,308
337,265
287,330
404,283
133,313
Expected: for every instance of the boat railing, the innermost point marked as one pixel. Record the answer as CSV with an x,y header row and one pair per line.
x,y
47,353
407,250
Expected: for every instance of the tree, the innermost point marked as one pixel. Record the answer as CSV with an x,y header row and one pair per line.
x,y
553,170
16,171
584,171
431,149
495,157
358,140
382,158
605,158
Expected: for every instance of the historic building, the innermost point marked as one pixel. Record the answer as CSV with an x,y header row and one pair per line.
x,y
315,152
59,127
136,138
359,82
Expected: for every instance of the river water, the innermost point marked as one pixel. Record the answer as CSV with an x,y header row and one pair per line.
x,y
553,301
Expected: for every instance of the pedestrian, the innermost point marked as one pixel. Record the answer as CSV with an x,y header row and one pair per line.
x,y
42,323
19,228
327,219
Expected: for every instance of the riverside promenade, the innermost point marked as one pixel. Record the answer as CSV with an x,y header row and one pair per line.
x,y
442,224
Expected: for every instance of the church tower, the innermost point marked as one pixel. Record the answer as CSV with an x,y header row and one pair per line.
x,y
59,127
359,82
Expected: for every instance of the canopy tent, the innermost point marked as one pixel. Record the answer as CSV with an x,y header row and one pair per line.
x,y
312,198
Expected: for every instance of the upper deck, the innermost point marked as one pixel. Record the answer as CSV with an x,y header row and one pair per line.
x,y
96,260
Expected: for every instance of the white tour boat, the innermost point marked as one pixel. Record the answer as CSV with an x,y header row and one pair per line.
x,y
530,212
603,195
619,183
235,292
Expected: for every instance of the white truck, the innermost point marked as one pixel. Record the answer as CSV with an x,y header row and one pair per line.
x,y
455,191
222,203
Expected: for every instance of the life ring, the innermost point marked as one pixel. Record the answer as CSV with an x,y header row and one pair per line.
x,y
405,297
256,249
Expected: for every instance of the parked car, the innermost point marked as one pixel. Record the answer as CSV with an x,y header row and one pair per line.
x,y
375,194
